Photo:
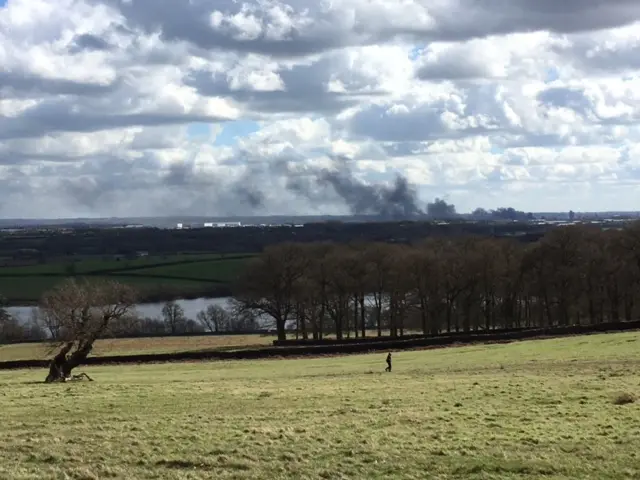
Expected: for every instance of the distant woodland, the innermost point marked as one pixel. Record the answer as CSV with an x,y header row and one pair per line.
x,y
35,245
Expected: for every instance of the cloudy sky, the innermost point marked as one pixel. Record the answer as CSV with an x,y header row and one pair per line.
x,y
222,107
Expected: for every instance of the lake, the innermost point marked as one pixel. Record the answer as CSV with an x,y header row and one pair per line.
x,y
151,310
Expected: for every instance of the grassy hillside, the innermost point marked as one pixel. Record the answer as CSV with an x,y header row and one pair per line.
x,y
174,274
546,408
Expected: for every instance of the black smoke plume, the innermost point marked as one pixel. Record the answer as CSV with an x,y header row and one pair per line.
x,y
398,200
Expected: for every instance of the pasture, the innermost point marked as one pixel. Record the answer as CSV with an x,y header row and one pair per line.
x,y
176,274
143,346
557,408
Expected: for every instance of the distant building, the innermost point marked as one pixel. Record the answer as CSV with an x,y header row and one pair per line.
x,y
222,224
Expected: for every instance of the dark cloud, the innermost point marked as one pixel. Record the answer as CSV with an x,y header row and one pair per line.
x,y
577,99
60,115
450,72
21,84
193,24
481,18
88,41
305,88
305,28
452,68
423,123
588,55
572,98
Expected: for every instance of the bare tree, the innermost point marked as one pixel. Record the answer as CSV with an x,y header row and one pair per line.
x,y
245,321
173,316
4,314
378,259
47,321
85,311
9,328
339,290
214,318
269,283
570,276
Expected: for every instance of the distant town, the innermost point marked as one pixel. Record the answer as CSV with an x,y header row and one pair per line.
x,y
178,223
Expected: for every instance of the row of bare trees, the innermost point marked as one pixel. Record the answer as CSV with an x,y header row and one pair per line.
x,y
43,325
576,274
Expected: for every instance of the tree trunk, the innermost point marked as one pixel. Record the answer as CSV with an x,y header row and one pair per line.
x,y
62,365
363,319
280,328
355,315
303,325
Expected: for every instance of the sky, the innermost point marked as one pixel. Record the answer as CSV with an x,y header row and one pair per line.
x,y
232,107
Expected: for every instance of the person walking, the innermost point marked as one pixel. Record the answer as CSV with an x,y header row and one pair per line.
x,y
388,369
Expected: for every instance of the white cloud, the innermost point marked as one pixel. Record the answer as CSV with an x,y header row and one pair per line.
x,y
221,107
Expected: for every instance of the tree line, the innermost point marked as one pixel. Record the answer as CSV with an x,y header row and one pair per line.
x,y
574,274
43,325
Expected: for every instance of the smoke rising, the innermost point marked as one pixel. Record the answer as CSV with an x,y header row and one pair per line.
x,y
187,190
397,200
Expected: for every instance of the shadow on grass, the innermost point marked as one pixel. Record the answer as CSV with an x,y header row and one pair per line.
x,y
182,464
231,348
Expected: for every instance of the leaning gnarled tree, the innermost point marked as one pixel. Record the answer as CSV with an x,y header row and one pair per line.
x,y
85,311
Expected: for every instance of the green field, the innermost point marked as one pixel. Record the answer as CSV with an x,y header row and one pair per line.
x,y
539,409
213,270
176,274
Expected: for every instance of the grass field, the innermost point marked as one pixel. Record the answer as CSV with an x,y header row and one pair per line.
x,y
537,409
152,345
142,346
175,273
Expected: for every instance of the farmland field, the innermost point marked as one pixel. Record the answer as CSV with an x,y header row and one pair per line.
x,y
178,274
221,270
558,408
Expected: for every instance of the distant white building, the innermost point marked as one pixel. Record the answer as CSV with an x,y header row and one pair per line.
x,y
222,224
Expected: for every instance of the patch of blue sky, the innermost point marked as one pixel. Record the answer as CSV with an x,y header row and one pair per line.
x,y
415,52
233,131
552,75
229,135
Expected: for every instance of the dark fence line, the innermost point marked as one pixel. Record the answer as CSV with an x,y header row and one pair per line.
x,y
115,270
290,342
136,274
264,332
283,352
